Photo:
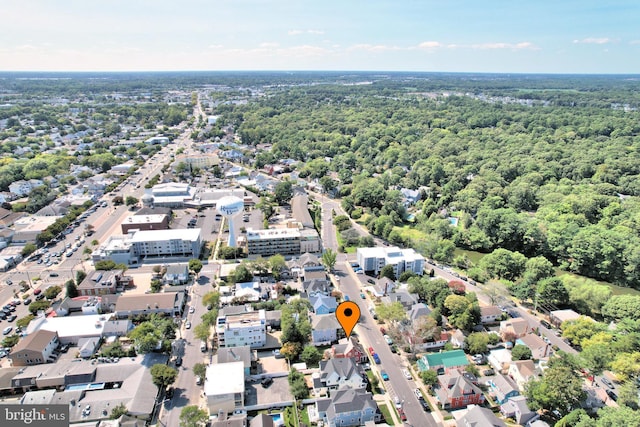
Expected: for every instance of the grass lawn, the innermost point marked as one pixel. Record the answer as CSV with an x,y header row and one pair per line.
x,y
304,417
347,249
408,232
371,377
386,414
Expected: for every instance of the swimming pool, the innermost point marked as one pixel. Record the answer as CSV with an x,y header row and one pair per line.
x,y
94,386
278,419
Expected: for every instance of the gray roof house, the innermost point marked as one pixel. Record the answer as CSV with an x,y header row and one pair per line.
x,y
242,354
323,304
418,310
403,297
348,408
516,407
324,329
478,416
336,374
316,286
176,274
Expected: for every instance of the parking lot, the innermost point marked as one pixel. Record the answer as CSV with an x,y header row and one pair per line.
x,y
277,393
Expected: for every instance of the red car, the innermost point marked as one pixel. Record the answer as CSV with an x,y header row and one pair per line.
x,y
371,351
403,417
383,331
37,292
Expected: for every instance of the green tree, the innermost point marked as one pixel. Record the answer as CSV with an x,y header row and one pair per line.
x,y
202,331
552,290
211,298
626,365
429,377
193,416
200,370
277,263
387,271
10,341
23,322
310,355
52,291
329,257
28,249
118,411
521,352
503,263
582,328
477,343
131,201
80,276
610,416
283,192
559,388
628,395
622,307
291,350
391,312
298,385
36,306
242,274
195,265
163,375
71,288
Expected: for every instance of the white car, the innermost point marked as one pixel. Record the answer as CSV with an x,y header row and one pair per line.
x,y
192,310
187,325
398,402
418,393
407,374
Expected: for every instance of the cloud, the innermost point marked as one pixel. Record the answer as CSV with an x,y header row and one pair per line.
x,y
594,40
512,46
267,45
298,32
215,46
429,45
634,42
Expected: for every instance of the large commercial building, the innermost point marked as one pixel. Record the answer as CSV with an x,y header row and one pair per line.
x,y
240,329
151,244
374,260
181,195
145,222
284,241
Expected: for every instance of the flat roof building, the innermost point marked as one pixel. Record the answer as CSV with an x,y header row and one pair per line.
x,y
376,258
241,329
145,222
284,241
224,387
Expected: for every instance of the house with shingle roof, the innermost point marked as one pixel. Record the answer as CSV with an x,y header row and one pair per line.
x,y
418,310
516,407
477,416
337,374
324,329
323,304
539,348
489,314
454,391
522,371
348,408
517,327
503,388
349,349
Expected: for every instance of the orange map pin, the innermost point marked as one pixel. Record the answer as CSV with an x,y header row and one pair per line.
x,y
348,314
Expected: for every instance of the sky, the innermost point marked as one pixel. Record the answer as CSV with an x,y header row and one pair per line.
x,y
512,36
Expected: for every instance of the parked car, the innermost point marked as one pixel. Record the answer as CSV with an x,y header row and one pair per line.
x,y
266,382
403,416
384,375
407,374
418,393
187,325
363,296
179,361
388,339
37,292
27,301
7,330
376,359
607,382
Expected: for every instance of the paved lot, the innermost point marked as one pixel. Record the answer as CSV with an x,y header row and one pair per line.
x,y
271,365
278,392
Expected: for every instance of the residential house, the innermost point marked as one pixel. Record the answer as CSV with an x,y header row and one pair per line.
x,y
224,387
522,371
324,329
262,420
239,327
514,328
323,304
477,416
418,310
349,349
247,292
516,407
316,287
242,354
503,388
410,196
558,317
444,362
539,348
458,339
102,282
436,342
23,188
348,408
337,374
35,349
171,304
499,359
176,274
403,297
490,314
455,391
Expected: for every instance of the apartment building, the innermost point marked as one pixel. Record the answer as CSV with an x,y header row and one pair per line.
x,y
242,329
284,241
375,259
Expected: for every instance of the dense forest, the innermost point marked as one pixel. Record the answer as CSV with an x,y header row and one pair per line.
x,y
539,166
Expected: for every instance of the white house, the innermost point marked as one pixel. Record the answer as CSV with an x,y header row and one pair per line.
x,y
224,387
